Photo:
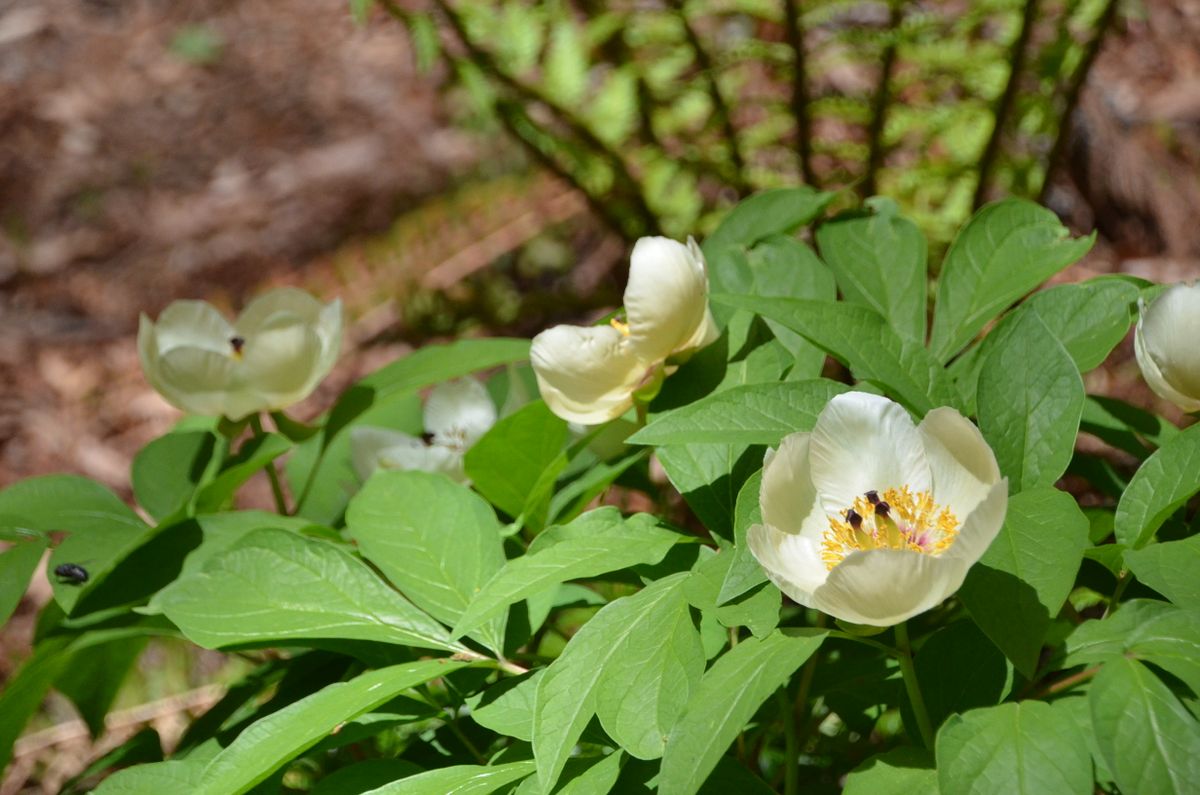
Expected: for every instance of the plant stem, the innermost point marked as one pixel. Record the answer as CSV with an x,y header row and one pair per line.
x,y
879,104
791,757
1122,583
795,38
915,700
272,475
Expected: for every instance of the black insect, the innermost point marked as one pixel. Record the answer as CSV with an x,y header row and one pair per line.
x,y
71,573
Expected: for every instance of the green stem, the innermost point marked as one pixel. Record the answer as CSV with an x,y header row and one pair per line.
x,y
1123,581
791,760
915,700
272,475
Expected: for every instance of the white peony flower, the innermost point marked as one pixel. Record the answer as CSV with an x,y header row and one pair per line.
x,y
457,414
1167,344
589,374
280,348
873,520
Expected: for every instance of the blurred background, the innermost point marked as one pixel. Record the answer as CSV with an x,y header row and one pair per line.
x,y
455,167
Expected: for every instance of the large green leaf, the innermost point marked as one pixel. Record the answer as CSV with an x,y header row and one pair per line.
x,y
596,543
1026,748
709,476
879,262
958,669
1169,568
1019,585
730,692
1163,483
458,780
102,529
1006,250
247,594
861,339
507,706
254,455
1142,629
900,771
506,464
752,414
744,572
1150,742
1030,400
268,743
437,541
569,692
767,213
785,267
182,775
1125,427
167,471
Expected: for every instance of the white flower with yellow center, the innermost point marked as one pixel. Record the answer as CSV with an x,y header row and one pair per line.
x,y
873,519
282,345
589,374
457,414
1166,344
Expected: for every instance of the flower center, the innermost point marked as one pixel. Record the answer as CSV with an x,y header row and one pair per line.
x,y
895,519
237,343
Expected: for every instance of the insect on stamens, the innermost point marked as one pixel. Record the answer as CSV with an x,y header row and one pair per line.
x,y
237,343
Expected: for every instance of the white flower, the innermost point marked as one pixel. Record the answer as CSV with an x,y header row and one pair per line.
x,y
872,519
1167,344
280,348
457,414
588,374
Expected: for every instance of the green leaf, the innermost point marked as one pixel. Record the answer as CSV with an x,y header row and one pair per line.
x,y
661,660
744,572
730,692
879,262
268,743
436,540
1143,629
1125,427
1019,585
1006,250
958,669
565,72
862,340
102,529
93,680
1015,749
783,266
581,776
172,776
770,212
364,776
246,594
709,477
1169,568
1149,741
458,780
254,455
294,430
598,542
507,462
507,706
570,691
167,471
752,414
1030,400
17,564
900,771
1163,483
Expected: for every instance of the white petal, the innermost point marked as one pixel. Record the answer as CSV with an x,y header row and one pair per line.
x,y
203,382
427,458
787,496
864,442
980,528
329,330
458,412
194,324
368,443
962,465
1165,343
282,360
792,562
882,587
666,300
289,301
586,374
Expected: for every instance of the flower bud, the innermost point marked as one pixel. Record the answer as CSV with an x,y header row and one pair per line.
x,y
1167,344
276,353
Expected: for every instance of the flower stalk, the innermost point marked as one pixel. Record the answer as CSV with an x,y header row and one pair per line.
x,y
912,686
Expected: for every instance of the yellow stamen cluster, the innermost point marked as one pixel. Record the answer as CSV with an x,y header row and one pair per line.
x,y
892,519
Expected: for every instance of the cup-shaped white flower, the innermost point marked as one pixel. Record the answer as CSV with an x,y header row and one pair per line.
x,y
873,519
589,374
457,414
282,345
1166,345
